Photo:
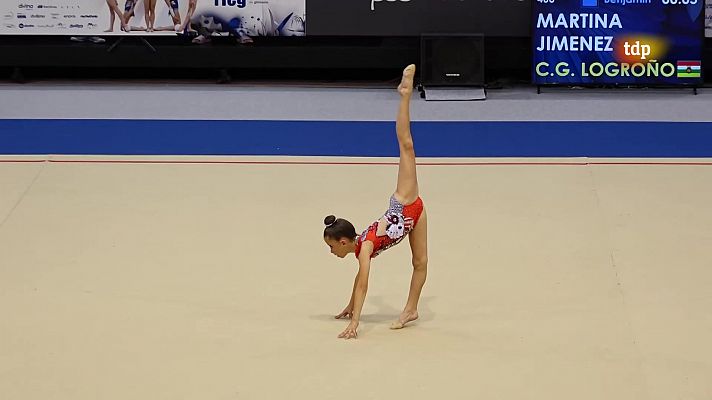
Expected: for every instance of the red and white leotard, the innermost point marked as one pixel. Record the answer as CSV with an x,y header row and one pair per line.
x,y
394,226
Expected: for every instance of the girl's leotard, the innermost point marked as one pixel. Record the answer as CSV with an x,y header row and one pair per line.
x,y
393,227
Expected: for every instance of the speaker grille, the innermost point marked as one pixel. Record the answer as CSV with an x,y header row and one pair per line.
x,y
452,60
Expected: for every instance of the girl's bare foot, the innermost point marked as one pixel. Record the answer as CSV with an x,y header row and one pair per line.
x,y
406,86
405,317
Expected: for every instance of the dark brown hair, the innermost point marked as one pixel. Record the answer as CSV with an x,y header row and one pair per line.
x,y
338,228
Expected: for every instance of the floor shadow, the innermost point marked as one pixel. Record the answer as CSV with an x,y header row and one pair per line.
x,y
385,312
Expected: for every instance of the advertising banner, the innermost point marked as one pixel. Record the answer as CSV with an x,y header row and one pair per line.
x,y
152,17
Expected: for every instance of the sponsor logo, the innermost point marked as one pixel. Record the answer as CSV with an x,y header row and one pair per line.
x,y
91,25
61,26
10,26
69,16
43,6
89,16
38,16
26,6
46,26
23,26
55,16
76,26
21,16
231,3
8,16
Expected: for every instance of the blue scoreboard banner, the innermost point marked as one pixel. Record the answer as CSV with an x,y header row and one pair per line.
x,y
637,42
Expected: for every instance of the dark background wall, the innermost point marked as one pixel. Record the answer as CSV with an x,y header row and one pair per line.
x,y
346,40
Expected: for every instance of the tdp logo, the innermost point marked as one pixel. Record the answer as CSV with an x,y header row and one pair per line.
x,y
637,49
589,3
231,3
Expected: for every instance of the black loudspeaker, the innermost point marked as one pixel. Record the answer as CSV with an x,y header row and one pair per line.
x,y
452,60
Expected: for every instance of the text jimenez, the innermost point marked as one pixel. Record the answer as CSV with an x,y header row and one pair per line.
x,y
577,21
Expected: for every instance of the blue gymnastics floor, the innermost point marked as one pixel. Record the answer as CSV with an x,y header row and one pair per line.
x,y
355,138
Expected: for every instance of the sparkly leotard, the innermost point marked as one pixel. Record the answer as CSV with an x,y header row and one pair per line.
x,y
394,226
